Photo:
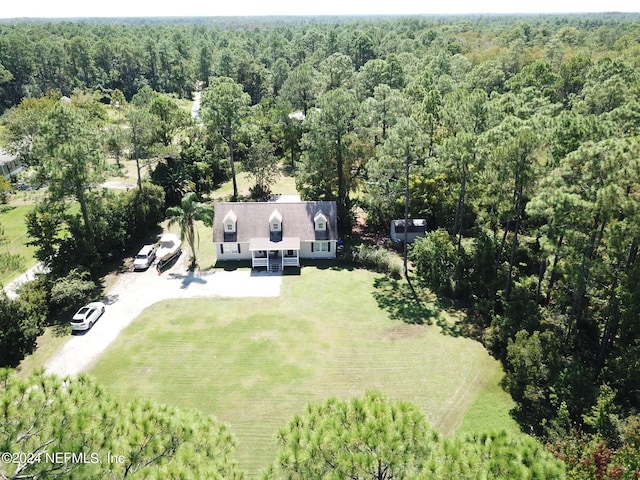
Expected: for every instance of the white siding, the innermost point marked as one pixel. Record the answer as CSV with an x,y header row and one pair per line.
x,y
245,253
305,250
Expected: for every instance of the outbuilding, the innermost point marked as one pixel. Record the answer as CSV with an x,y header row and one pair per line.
x,y
416,227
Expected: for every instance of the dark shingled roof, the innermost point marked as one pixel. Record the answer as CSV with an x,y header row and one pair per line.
x,y
253,220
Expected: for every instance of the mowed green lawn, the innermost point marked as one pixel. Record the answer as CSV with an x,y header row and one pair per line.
x,y
12,221
284,185
254,363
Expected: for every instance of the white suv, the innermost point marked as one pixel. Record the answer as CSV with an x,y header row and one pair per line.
x,y
145,257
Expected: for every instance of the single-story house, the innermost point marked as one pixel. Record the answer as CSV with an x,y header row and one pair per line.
x,y
275,235
10,166
417,227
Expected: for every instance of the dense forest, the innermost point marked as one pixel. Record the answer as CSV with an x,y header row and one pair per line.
x,y
515,137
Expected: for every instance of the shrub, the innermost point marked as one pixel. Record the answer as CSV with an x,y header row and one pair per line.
x,y
435,259
8,261
72,290
375,259
20,326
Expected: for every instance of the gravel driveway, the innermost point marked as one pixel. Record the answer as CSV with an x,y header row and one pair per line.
x,y
135,291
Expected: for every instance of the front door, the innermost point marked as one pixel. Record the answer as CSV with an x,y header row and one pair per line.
x,y
275,260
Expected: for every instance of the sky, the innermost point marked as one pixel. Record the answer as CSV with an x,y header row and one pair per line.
x,y
147,8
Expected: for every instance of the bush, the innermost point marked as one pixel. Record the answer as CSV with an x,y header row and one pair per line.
x,y
259,193
74,289
20,326
147,209
375,259
434,257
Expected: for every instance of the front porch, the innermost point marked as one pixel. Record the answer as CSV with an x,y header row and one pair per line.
x,y
275,256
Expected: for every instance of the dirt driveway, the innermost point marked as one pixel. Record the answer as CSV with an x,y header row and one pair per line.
x,y
135,291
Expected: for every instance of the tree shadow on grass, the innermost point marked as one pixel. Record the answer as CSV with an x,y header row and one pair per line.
x,y
59,322
288,170
403,302
412,303
61,330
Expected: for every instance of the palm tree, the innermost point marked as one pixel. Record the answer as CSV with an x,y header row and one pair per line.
x,y
186,214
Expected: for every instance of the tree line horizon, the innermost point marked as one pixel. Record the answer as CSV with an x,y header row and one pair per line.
x,y
517,137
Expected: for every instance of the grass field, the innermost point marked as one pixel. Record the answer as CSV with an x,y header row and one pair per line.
x,y
285,185
12,221
254,363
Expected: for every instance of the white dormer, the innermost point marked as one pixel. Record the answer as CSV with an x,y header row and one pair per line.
x,y
229,222
275,222
320,221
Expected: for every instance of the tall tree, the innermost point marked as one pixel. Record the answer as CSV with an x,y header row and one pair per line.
x,y
72,426
382,111
337,71
375,438
69,156
224,106
263,166
509,180
115,142
459,152
405,146
20,327
169,118
333,158
185,215
141,135
301,87
368,437
23,122
279,73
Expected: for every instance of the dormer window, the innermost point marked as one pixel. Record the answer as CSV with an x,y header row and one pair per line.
x,y
229,222
275,222
320,221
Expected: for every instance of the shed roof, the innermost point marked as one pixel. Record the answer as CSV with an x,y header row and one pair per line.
x,y
415,225
6,157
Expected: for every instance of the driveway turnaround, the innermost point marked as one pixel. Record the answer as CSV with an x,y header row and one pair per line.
x,y
135,291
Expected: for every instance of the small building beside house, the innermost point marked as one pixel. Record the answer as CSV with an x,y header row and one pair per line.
x,y
416,227
10,166
275,235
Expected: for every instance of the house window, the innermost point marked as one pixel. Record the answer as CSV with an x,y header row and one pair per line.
x,y
320,221
230,248
321,247
275,221
229,221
